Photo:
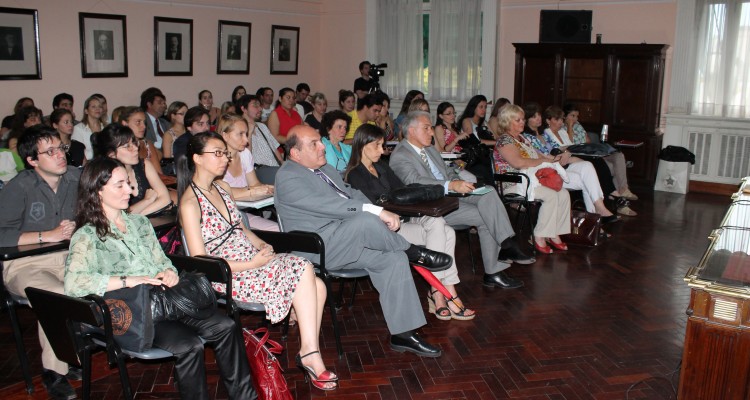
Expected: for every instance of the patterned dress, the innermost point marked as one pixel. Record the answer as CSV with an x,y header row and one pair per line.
x,y
272,284
449,136
525,149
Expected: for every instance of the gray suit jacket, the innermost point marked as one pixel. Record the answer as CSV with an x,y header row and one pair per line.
x,y
408,165
306,203
151,133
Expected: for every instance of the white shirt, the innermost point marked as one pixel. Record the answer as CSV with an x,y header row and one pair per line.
x,y
156,126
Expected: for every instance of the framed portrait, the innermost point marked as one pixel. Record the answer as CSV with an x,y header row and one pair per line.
x,y
104,47
233,55
19,44
284,49
173,46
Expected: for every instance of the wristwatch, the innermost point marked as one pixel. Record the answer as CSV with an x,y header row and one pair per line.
x,y
124,281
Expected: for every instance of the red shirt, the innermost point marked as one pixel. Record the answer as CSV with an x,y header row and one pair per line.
x,y
287,119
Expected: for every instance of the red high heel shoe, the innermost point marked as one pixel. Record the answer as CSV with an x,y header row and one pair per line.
x,y
317,381
542,249
560,246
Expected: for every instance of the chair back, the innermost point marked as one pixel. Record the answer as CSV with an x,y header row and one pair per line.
x,y
60,317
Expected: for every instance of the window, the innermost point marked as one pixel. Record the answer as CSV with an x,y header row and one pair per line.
x,y
722,76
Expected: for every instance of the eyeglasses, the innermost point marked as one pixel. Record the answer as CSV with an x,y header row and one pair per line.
x,y
52,151
220,153
129,146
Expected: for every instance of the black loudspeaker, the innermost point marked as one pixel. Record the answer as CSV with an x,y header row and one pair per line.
x,y
565,26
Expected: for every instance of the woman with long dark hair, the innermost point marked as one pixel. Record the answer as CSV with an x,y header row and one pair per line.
x,y
206,101
90,124
366,173
148,192
284,116
62,121
212,225
347,101
408,98
479,140
24,118
113,249
447,133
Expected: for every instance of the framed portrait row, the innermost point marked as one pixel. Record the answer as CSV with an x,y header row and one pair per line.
x,y
104,47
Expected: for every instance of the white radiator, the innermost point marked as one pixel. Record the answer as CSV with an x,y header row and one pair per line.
x,y
721,147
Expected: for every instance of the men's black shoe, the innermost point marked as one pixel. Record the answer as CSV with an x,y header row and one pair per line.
x,y
74,373
58,387
510,253
501,280
431,260
410,341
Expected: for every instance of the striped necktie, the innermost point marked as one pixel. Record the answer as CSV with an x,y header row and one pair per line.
x,y
330,183
423,154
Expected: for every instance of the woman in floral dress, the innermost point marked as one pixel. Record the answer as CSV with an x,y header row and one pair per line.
x,y
212,225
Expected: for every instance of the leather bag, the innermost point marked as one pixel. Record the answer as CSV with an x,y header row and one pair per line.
x,y
585,229
413,194
192,296
549,177
266,370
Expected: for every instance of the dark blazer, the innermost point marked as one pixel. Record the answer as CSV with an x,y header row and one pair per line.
x,y
151,132
372,187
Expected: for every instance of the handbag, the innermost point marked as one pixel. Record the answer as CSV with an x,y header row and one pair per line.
x,y
412,194
171,242
266,370
192,296
549,177
585,229
132,323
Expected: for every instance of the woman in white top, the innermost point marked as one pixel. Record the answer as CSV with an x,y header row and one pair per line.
x,y
176,115
240,173
90,123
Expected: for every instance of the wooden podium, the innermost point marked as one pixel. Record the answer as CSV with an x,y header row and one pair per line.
x,y
716,357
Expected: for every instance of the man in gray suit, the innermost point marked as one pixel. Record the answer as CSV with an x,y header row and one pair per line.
x,y
154,103
310,196
415,160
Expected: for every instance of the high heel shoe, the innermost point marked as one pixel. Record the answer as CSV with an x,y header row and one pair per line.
x,y
317,381
440,313
560,246
542,249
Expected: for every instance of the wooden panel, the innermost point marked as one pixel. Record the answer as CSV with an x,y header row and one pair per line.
x,y
630,94
577,89
537,81
584,68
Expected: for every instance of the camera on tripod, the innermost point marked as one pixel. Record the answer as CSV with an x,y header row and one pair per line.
x,y
376,71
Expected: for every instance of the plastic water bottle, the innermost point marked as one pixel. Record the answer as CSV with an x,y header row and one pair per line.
x,y
605,133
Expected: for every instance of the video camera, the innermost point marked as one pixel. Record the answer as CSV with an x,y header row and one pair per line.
x,y
376,70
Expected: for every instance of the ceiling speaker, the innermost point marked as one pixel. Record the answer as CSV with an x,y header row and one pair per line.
x,y
565,26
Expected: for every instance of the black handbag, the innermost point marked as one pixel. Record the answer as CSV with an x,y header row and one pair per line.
x,y
474,152
412,194
132,323
192,296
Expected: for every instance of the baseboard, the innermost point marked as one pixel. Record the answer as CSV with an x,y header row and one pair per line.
x,y
724,189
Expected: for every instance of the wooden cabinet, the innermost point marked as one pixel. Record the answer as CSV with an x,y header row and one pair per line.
x,y
615,84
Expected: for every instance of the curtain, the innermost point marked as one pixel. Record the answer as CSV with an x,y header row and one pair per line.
x,y
455,49
722,76
399,44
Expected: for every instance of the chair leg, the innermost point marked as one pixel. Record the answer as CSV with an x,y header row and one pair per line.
x,y
334,319
354,292
20,349
471,252
285,326
127,391
86,367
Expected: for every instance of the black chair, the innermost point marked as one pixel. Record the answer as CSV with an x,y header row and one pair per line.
x,y
309,242
526,210
10,301
76,327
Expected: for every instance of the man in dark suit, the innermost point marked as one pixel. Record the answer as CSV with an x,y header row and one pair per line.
x,y
310,196
10,47
415,160
154,103
174,50
103,47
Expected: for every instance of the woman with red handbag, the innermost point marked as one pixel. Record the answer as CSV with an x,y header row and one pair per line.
x,y
513,153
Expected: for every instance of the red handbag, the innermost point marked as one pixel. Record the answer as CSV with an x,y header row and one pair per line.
x,y
549,177
266,370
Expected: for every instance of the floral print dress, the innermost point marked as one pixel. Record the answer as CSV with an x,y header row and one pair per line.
x,y
273,284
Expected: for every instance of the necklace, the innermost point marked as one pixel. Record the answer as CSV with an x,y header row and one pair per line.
x,y
204,189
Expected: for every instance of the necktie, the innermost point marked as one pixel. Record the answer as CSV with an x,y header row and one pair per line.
x,y
423,154
330,183
158,128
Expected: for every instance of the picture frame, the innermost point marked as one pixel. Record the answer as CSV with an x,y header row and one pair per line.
x,y
104,45
284,50
19,44
233,51
173,46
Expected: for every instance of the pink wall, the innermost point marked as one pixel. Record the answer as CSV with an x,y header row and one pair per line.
x,y
635,21
61,65
342,38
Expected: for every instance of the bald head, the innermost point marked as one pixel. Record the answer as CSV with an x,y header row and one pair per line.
x,y
304,147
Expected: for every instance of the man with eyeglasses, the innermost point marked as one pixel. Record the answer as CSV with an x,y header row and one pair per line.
x,y
39,207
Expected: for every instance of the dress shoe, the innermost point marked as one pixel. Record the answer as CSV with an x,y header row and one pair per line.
x,y
612,218
542,249
58,387
510,253
74,373
560,246
432,260
410,341
501,280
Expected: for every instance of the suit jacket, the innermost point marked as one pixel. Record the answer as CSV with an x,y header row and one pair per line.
x,y
408,165
151,132
305,202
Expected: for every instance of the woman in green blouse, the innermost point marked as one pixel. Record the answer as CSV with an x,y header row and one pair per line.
x,y
113,249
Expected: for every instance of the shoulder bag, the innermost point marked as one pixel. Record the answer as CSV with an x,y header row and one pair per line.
x,y
412,194
266,370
